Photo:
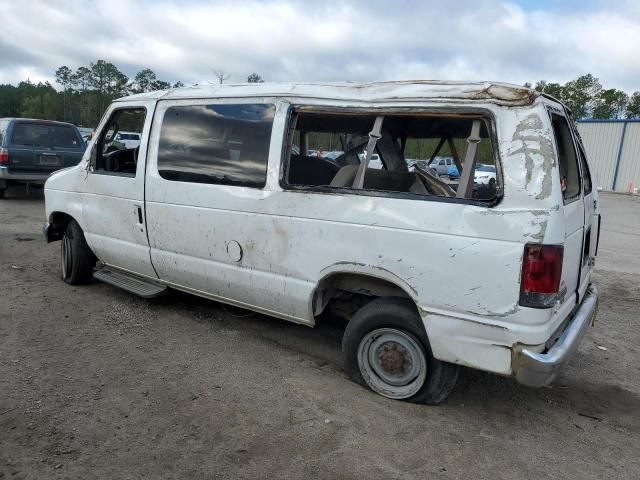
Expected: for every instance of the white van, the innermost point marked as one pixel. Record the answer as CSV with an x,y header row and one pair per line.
x,y
218,201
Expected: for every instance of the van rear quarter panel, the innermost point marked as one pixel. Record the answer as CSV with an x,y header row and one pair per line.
x,y
459,262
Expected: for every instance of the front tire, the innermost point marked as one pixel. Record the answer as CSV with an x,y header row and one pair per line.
x,y
2,191
76,258
386,349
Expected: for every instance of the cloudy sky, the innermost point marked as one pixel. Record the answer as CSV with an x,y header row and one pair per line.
x,y
357,40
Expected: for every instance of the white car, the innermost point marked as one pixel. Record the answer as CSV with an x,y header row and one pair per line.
x,y
428,276
485,175
130,139
374,162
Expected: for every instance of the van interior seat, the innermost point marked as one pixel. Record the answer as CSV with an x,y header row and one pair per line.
x,y
383,180
305,170
123,161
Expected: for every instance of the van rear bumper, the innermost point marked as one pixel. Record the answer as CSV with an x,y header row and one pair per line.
x,y
540,369
5,174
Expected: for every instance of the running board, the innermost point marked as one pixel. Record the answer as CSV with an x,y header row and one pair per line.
x,y
130,283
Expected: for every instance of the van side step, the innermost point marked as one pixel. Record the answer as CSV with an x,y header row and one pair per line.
x,y
130,283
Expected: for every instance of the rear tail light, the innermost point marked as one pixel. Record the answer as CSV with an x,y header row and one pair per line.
x,y
541,272
4,156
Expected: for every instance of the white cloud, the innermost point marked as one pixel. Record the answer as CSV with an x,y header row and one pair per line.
x,y
332,40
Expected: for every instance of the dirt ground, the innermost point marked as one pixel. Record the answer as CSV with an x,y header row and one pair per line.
x,y
96,383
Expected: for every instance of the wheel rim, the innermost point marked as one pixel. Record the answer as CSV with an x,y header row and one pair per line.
x,y
392,362
65,256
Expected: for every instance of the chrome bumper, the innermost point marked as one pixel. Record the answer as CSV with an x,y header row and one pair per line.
x,y
540,369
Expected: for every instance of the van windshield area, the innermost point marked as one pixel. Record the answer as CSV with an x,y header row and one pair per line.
x,y
411,155
118,144
43,135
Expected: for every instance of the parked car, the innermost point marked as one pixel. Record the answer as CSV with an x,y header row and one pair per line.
x,y
442,164
86,133
30,150
332,155
374,162
215,203
485,175
129,139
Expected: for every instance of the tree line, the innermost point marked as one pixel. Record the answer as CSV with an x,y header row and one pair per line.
x,y
85,93
586,98
84,96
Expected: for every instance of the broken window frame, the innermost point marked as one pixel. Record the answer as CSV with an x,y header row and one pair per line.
x,y
561,115
485,115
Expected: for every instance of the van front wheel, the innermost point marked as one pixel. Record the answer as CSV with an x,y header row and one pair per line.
x,y
386,348
76,258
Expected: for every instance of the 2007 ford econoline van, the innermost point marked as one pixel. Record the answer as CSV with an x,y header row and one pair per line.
x,y
221,199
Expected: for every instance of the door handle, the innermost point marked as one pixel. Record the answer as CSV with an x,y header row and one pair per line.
x,y
138,214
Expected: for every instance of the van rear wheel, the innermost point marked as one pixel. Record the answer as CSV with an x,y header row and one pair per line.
x,y
386,349
76,258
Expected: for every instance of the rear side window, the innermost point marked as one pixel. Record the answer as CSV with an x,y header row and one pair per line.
x,y
586,174
567,159
43,135
414,156
217,144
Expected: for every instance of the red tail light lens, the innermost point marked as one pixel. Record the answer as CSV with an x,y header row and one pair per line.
x,y
541,272
4,156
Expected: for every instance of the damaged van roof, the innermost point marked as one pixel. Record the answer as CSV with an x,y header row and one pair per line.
x,y
402,91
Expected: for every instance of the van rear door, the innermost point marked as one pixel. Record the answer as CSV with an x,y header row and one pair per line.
x,y
574,207
591,218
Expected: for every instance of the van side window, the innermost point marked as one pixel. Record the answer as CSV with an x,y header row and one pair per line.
x,y
118,145
567,159
586,174
416,155
218,144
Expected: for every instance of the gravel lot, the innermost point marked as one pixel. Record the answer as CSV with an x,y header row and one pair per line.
x,y
96,383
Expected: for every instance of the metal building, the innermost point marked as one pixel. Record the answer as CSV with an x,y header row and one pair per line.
x,y
613,149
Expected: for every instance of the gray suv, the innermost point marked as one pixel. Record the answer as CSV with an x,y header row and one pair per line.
x,y
31,150
442,164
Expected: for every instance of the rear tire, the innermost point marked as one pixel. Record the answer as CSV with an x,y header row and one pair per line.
x,y
76,258
2,190
385,348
